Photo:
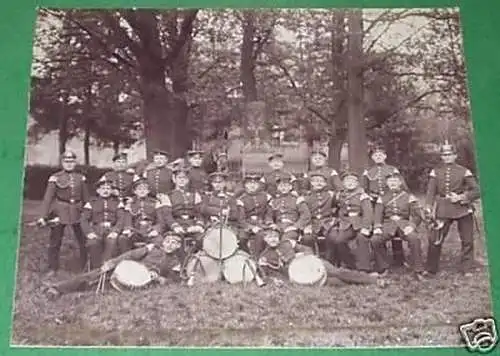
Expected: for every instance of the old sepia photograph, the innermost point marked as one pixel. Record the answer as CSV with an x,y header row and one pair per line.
x,y
250,178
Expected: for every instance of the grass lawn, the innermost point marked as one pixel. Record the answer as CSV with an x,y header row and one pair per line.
x,y
405,312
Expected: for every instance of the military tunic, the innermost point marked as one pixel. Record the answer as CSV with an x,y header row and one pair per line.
x,y
212,204
396,211
322,206
65,195
374,180
290,213
269,180
354,210
122,182
198,179
333,180
102,216
159,180
444,180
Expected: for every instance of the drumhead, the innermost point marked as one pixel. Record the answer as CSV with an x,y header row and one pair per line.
x,y
217,247
307,270
239,268
203,267
131,274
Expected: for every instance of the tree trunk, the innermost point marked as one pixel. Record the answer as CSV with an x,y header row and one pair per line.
x,y
335,144
116,147
86,143
358,158
63,126
247,64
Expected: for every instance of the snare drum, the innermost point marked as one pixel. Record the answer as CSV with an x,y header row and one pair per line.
x,y
220,242
307,270
239,268
203,267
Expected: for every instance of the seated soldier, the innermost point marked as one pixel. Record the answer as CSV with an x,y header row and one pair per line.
x,y
197,175
287,211
393,212
102,222
143,220
319,164
321,203
355,219
218,204
252,208
182,212
277,255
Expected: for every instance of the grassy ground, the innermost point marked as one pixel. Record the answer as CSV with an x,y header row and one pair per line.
x,y
405,312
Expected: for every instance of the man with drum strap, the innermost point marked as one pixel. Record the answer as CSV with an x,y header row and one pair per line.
x,y
374,183
397,213
270,179
252,208
65,195
144,219
218,204
121,177
102,222
182,211
277,257
287,211
158,175
355,215
319,164
322,206
451,192
198,180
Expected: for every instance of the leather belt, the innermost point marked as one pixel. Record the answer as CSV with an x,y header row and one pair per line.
x,y
286,220
352,214
185,217
106,224
395,217
254,217
144,222
70,201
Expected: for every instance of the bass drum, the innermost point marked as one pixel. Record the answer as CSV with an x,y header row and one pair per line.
x,y
220,242
239,268
203,268
130,275
307,270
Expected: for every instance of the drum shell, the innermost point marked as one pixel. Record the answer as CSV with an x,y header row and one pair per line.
x,y
203,267
307,270
212,239
129,274
239,268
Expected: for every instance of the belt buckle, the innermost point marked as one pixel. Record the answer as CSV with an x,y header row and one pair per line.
x,y
319,216
143,222
72,201
106,224
395,217
184,217
254,218
352,214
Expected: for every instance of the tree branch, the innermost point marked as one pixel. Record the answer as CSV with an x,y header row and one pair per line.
x,y
184,35
123,38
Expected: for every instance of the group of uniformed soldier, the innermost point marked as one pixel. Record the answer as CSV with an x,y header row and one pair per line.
x,y
351,216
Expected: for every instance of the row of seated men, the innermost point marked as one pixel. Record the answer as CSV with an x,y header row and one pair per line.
x,y
335,207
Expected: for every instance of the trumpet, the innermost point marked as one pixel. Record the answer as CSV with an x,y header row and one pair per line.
x,y
433,224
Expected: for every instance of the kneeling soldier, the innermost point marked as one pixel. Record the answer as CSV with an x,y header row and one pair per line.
x,y
252,208
102,222
393,214
287,211
182,212
322,205
143,219
355,215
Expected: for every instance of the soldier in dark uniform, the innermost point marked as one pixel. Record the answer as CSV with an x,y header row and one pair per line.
x,y
252,208
64,197
102,222
218,203
322,206
374,184
451,191
397,214
288,211
121,177
159,176
270,179
355,216
144,220
319,164
182,211
198,180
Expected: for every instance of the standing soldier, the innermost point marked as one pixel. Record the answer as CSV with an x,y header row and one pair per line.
x,y
159,176
322,205
252,209
270,179
374,184
197,175
451,191
121,177
143,219
319,164
65,195
287,211
102,222
397,213
182,211
355,215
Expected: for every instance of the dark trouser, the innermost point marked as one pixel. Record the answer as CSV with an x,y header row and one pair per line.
x,y
341,252
56,236
466,232
380,251
101,249
251,243
348,276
